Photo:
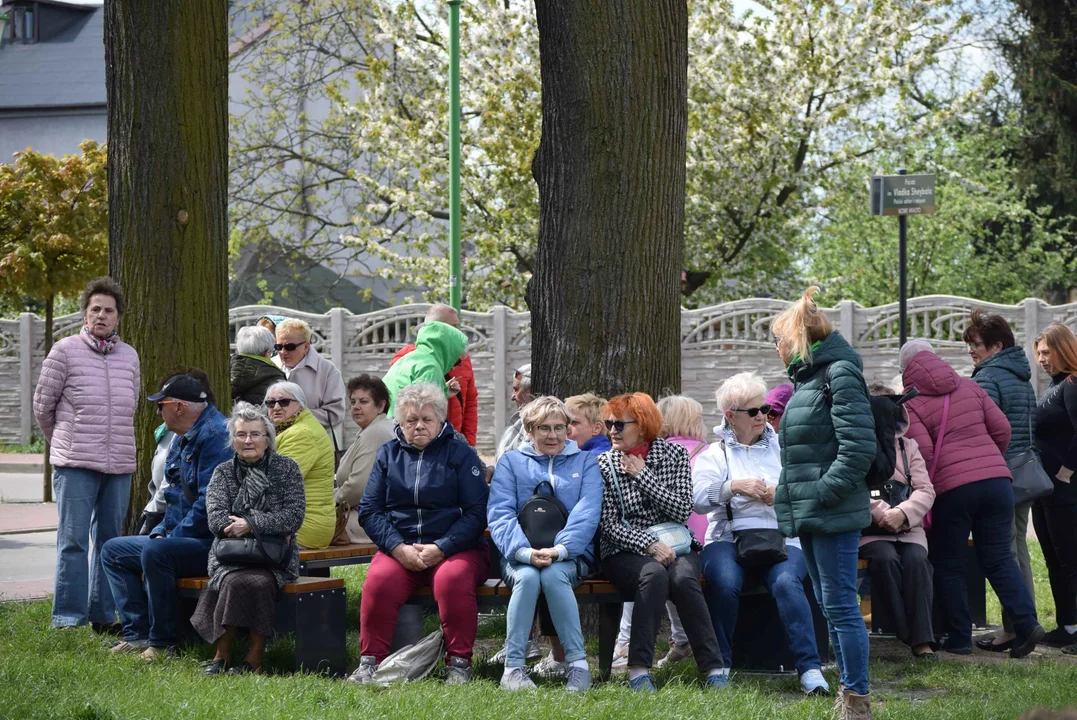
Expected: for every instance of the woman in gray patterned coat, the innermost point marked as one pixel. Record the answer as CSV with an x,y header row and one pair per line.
x,y
261,488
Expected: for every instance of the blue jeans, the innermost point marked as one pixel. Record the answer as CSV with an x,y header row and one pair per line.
x,y
986,509
143,572
556,583
91,507
784,581
832,563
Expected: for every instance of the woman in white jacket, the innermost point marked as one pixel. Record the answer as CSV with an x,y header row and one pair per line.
x,y
733,483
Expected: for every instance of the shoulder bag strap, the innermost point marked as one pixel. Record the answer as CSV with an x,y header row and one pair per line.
x,y
905,460
617,487
729,473
942,433
697,451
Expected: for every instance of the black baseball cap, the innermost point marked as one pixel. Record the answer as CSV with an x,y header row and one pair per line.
x,y
180,387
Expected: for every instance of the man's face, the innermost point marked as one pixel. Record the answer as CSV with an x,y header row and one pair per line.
x,y
520,395
300,347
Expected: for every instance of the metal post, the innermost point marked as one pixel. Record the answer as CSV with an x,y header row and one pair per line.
x,y
903,228
454,153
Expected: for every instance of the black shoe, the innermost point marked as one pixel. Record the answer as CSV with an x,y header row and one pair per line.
x,y
1059,638
926,657
244,668
990,645
1022,646
957,650
215,667
114,629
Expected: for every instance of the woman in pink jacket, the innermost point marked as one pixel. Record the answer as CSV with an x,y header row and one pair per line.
x,y
962,435
85,405
895,543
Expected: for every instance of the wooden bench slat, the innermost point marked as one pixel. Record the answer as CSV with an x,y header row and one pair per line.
x,y
301,585
338,551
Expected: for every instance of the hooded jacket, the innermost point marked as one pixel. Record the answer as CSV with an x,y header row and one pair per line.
x,y
827,447
251,377
577,483
437,348
463,410
1005,378
977,433
434,495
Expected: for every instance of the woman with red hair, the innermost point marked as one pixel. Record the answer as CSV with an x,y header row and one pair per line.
x,y
647,484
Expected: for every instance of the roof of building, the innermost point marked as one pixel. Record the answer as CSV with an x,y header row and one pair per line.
x,y
65,69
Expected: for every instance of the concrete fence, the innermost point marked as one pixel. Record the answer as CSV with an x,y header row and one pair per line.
x,y
716,342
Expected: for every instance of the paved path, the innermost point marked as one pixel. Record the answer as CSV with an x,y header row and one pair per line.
x,y
27,565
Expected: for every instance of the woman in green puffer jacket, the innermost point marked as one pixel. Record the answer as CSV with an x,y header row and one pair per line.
x,y
827,436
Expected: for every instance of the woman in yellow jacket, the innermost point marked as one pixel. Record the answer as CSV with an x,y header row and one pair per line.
x,y
302,438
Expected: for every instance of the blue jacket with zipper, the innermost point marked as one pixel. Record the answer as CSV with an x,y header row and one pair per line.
x,y
434,495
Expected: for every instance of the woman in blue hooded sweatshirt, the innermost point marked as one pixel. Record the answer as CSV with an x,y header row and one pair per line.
x,y
554,571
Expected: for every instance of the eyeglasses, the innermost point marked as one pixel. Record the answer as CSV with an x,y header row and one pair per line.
x,y
555,429
252,436
618,425
289,346
752,412
973,345
773,415
777,341
283,402
162,403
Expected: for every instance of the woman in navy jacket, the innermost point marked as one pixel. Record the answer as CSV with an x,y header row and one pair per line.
x,y
425,508
554,571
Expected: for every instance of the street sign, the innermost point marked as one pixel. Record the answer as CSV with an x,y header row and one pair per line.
x,y
903,195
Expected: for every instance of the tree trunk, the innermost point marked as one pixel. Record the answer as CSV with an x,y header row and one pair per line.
x,y
50,314
605,296
167,78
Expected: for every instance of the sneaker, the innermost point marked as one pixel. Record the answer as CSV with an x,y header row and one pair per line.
x,y
124,647
154,653
579,679
620,658
457,671
244,668
1059,638
516,679
533,652
364,674
644,683
1024,644
550,668
812,682
718,681
677,652
214,667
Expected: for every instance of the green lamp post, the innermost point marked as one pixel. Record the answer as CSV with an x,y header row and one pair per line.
x,y
454,153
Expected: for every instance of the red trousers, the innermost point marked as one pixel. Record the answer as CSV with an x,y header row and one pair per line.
x,y
388,585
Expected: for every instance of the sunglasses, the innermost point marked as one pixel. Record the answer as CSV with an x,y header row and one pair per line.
x,y
618,425
289,346
162,403
752,412
283,402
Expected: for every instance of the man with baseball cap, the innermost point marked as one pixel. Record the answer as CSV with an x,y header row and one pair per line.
x,y
179,545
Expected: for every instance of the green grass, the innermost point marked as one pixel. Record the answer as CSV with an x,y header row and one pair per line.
x,y
51,674
34,447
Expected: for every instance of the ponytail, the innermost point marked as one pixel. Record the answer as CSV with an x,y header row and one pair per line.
x,y
801,325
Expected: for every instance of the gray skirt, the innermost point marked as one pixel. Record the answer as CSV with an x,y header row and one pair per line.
x,y
247,598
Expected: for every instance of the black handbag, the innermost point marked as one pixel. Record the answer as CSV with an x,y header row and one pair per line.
x,y
541,517
893,493
757,547
1030,480
255,549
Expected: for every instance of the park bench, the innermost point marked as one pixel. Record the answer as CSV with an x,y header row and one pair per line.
x,y
312,610
334,556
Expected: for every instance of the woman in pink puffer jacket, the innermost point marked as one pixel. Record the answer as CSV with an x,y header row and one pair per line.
x,y
85,405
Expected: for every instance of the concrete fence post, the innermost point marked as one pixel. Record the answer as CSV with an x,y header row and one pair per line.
x,y
847,320
26,377
501,349
1032,329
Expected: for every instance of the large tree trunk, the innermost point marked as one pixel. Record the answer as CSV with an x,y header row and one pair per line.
x,y
167,76
605,296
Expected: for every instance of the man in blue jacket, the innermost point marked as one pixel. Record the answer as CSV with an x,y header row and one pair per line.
x,y
142,570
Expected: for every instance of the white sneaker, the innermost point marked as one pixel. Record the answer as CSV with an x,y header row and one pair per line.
x,y
364,674
676,654
620,658
579,679
550,668
812,682
533,652
516,679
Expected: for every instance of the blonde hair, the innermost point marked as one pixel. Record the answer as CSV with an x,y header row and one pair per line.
x,y
738,390
289,324
682,416
538,409
589,405
801,325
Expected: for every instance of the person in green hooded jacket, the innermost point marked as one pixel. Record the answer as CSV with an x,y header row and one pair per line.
x,y
438,347
827,438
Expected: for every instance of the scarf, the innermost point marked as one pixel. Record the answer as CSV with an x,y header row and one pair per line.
x,y
285,424
253,483
640,450
102,346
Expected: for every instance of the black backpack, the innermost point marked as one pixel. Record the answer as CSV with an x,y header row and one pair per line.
x,y
886,411
541,517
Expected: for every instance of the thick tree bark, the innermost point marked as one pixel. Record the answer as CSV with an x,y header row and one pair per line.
x,y
605,296
167,76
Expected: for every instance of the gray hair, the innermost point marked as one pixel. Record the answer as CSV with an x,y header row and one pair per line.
x,y
419,396
912,348
739,389
254,340
289,324
245,412
292,389
524,373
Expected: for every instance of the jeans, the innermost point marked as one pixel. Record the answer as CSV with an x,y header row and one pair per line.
x,y
832,561
1019,549
1055,519
901,589
985,508
784,581
649,584
142,572
91,507
556,583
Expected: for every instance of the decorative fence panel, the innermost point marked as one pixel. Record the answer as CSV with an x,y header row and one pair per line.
x,y
716,342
